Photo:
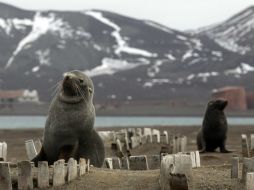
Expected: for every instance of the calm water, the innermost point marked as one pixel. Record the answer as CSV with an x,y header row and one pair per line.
x,y
14,122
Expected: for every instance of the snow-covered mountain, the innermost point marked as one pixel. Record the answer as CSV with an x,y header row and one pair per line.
x,y
127,58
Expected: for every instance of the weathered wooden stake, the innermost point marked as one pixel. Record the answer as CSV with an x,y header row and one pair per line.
x,y
183,144
43,174
72,169
157,134
5,176
82,166
109,163
119,145
125,163
197,157
135,141
116,163
193,159
245,146
148,132
25,178
154,162
88,165
30,149
167,166
138,163
58,173
38,145
250,181
248,166
252,145
3,151
166,134
235,167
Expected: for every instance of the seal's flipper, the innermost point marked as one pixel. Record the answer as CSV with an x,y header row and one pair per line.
x,y
41,156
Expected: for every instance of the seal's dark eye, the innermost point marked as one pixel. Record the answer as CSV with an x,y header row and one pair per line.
x,y
81,80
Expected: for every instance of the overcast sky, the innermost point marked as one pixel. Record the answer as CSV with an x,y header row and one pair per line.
x,y
178,14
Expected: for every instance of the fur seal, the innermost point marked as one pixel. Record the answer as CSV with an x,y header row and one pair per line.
x,y
213,133
69,128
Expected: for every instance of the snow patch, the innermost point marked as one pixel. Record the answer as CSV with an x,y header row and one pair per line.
x,y
122,45
244,68
35,69
40,26
206,75
43,56
110,66
171,57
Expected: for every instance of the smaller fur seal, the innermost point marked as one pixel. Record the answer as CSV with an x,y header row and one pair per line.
x,y
213,133
69,128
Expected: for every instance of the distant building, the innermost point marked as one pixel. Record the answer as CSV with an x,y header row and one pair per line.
x,y
235,95
13,96
250,100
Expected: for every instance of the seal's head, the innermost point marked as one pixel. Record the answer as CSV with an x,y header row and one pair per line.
x,y
217,104
76,87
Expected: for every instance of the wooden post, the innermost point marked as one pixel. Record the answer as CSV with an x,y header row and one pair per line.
x,y
138,163
167,166
3,151
82,167
139,132
148,132
5,176
43,174
38,145
72,169
158,135
119,145
144,139
250,181
252,145
174,146
197,157
88,165
59,173
248,166
30,149
134,142
193,159
154,162
25,178
166,134
109,163
182,173
127,143
235,167
183,144
116,163
125,163
245,146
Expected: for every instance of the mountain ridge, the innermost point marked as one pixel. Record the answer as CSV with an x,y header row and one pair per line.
x,y
128,59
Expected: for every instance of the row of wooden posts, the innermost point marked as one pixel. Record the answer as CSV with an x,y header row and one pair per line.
x,y
27,176
145,162
173,143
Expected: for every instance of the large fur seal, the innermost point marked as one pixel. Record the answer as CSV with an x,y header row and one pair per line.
x,y
69,126
213,133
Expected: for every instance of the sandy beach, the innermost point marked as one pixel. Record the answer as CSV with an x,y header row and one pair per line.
x,y
205,177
